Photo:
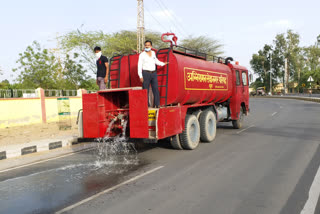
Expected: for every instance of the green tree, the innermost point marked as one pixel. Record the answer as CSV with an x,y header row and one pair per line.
x,y
260,64
36,67
310,64
203,44
89,84
285,46
40,68
123,42
257,83
5,84
73,73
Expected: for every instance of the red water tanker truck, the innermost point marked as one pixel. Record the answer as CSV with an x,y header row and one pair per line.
x,y
195,94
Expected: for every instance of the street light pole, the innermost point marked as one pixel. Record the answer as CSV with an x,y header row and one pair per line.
x,y
271,74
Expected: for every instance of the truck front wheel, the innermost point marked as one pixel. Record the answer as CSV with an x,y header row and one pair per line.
x,y
190,137
237,124
208,126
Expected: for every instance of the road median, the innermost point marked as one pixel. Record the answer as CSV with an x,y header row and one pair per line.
x,y
312,99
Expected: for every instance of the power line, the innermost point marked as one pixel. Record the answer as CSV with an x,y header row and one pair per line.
x,y
166,11
163,7
164,28
178,19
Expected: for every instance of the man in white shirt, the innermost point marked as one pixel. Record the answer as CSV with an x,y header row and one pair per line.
x,y
147,71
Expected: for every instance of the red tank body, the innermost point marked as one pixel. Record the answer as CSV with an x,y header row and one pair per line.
x,y
190,80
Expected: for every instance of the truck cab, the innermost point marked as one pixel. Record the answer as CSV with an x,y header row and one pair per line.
x,y
239,101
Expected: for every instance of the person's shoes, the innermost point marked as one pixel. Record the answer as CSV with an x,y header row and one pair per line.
x,y
157,106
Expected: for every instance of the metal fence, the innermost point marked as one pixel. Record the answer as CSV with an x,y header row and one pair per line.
x,y
16,93
303,95
32,93
60,93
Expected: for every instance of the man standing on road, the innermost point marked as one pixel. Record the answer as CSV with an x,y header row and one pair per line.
x,y
102,69
147,71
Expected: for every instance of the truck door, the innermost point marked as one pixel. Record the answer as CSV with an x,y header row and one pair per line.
x,y
240,92
245,94
239,87
245,88
239,95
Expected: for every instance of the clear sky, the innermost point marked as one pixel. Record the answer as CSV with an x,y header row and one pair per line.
x,y
242,26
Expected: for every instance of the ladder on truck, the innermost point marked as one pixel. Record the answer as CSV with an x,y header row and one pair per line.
x,y
115,61
164,51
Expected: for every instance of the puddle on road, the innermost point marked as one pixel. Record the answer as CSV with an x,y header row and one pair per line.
x,y
88,173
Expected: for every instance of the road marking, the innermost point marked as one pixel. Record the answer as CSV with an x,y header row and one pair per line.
x,y
108,190
245,129
274,113
314,193
42,161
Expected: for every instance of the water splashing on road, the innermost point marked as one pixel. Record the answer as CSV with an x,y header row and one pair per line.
x,y
117,149
69,179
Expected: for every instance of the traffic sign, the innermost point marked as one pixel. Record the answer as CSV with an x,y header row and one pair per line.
x,y
310,79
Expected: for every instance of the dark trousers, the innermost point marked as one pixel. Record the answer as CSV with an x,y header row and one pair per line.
x,y
151,78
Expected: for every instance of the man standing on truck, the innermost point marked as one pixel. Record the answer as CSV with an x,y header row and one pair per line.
x,y
102,68
147,71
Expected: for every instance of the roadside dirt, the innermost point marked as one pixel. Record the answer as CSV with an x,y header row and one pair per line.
x,y
30,133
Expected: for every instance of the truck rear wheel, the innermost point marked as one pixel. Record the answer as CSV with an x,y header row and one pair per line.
x,y
208,126
175,142
237,124
197,113
190,137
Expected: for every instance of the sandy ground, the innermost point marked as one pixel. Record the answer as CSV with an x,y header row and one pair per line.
x,y
30,133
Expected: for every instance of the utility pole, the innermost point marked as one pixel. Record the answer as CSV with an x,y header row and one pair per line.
x,y
271,74
140,26
286,76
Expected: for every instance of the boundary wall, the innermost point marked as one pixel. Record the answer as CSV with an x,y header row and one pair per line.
x,y
27,111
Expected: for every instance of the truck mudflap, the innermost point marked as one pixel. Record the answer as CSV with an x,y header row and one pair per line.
x,y
169,122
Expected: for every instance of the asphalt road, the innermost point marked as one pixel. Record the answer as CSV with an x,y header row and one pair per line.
x,y
268,167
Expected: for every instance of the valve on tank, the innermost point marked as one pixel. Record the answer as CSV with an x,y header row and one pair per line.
x,y
117,123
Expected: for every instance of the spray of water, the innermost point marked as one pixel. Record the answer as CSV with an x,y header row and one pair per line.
x,y
116,150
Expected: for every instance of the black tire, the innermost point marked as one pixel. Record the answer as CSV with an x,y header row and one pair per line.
x,y
237,124
197,113
175,142
208,126
190,137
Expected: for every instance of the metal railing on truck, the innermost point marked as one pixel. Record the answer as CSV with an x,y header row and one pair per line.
x,y
197,54
165,51
115,61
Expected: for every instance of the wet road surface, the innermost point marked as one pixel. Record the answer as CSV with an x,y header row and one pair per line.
x,y
50,186
267,167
